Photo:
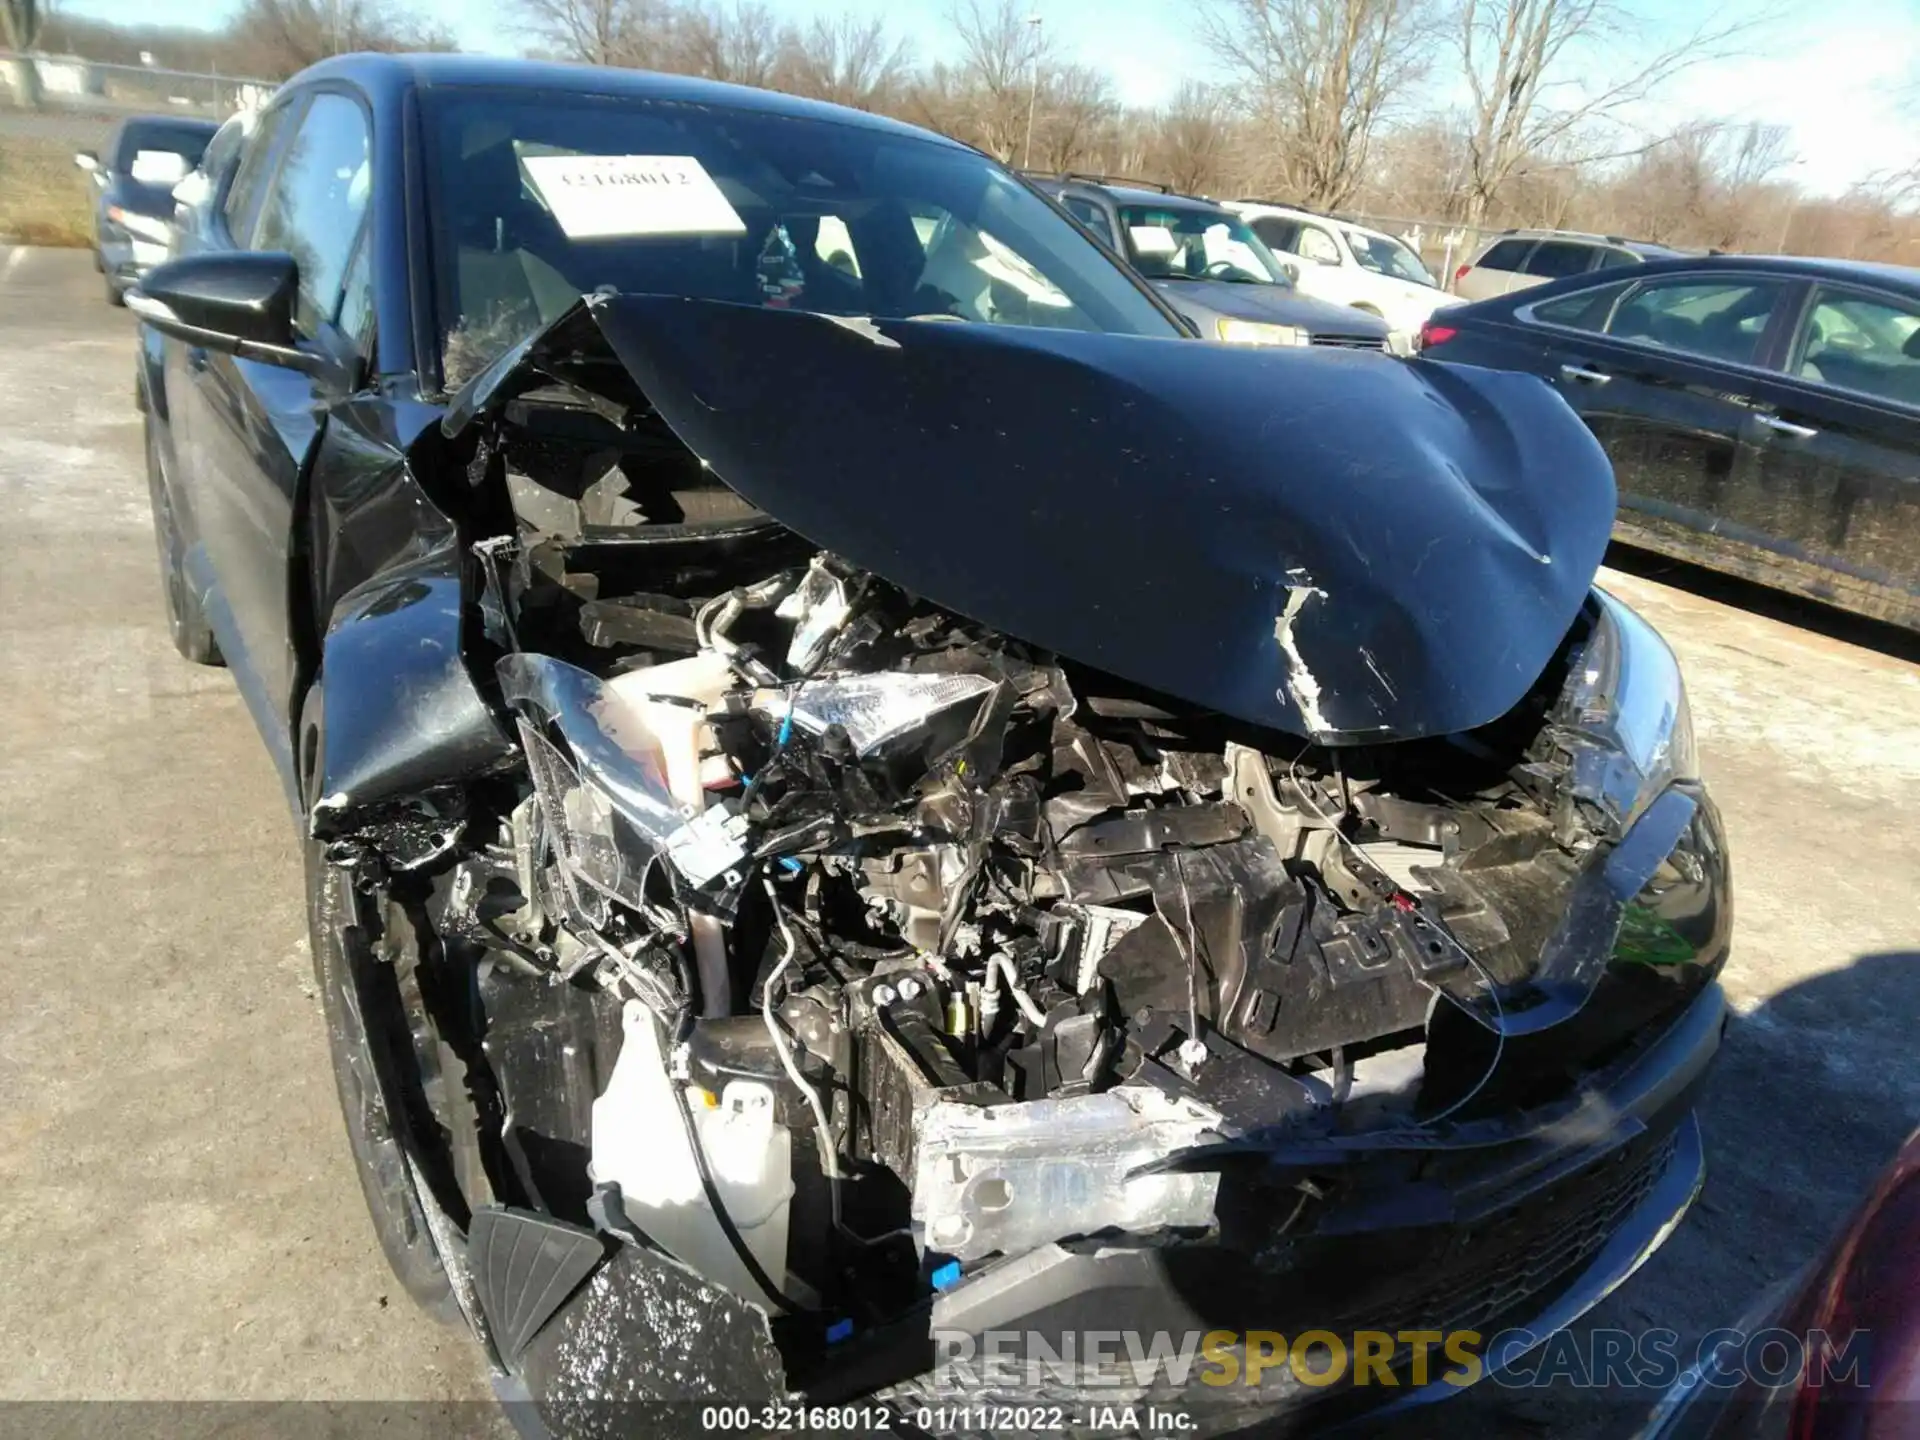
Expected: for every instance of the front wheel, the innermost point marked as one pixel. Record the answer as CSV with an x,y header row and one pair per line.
x,y
115,296
346,971
186,617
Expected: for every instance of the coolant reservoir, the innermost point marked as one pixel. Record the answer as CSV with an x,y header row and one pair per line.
x,y
663,709
640,1145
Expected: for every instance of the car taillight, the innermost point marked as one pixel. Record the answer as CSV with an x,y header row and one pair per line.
x,y
116,214
1461,273
1432,334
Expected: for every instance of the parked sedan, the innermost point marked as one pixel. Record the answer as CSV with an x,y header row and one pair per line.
x,y
860,788
133,207
1211,267
1762,415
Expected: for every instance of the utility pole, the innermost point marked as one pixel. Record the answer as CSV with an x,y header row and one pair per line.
x,y
1033,95
1793,205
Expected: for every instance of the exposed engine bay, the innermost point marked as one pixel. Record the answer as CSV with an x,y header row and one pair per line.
x,y
837,944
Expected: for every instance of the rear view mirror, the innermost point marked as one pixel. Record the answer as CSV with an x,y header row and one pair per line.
x,y
237,302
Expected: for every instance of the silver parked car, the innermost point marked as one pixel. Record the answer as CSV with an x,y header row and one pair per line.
x,y
1521,259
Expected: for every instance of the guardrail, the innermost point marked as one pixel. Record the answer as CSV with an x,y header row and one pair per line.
x,y
72,84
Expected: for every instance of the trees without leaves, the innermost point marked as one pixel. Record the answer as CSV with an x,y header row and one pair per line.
x,y
21,22
1315,79
276,38
1527,106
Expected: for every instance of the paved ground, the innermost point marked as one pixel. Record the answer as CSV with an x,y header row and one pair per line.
x,y
178,1219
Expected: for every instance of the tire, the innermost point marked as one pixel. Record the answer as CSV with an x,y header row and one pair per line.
x,y
186,618
115,296
345,971
99,265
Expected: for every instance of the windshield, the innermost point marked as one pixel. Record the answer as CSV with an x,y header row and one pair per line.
x,y
538,198
1175,242
157,152
1386,256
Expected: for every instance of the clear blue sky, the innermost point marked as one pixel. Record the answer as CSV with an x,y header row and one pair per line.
x,y
1844,78
1143,44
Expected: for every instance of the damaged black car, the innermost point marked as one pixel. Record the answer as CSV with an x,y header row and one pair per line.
x,y
870,802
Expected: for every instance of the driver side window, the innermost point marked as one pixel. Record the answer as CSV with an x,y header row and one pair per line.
x,y
316,202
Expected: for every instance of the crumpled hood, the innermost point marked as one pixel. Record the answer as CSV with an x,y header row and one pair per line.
x,y
1268,304
1343,546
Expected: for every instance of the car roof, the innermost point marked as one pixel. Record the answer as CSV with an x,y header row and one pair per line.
x,y
1901,278
1587,237
1124,194
1300,212
177,124
388,76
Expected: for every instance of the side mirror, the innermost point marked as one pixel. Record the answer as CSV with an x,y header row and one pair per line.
x,y
87,161
1291,270
237,302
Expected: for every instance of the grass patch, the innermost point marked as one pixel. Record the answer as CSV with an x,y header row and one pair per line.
x,y
44,198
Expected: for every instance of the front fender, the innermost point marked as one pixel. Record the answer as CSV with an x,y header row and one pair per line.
x,y
395,710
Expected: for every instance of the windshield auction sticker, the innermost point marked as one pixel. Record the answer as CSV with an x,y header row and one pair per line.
x,y
601,196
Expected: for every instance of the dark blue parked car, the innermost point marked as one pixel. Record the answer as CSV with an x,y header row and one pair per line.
x,y
133,204
1762,415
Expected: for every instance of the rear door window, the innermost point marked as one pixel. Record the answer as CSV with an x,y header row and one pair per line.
x,y
1505,255
1720,319
1582,310
1864,344
1557,259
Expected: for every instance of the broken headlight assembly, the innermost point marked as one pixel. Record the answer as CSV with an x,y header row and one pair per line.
x,y
1623,720
616,797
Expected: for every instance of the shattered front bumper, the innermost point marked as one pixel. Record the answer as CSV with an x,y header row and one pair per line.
x,y
1534,1232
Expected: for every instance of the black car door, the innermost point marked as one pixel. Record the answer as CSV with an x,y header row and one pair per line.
x,y
1666,371
1836,445
254,426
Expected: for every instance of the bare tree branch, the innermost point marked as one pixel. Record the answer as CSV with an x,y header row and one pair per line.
x,y
1316,79
281,37
1191,139
1003,49
848,61
1519,57
742,45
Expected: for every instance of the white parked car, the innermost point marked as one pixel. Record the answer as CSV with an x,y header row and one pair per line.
x,y
1349,264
